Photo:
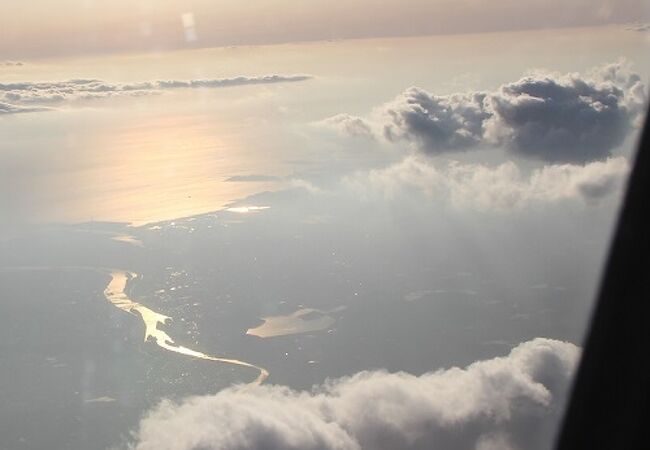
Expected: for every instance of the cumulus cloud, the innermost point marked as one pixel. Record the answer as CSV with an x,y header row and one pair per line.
x,y
566,118
11,63
22,94
436,123
347,124
493,188
560,118
506,402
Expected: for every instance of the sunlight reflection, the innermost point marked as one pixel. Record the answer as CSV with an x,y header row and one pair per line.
x,y
246,209
160,170
115,293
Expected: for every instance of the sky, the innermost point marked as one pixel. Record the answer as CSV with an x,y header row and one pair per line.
x,y
88,26
412,203
138,125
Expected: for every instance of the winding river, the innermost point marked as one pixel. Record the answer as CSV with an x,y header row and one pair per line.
x,y
115,293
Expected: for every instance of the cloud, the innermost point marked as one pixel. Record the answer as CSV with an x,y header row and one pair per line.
x,y
559,118
51,93
11,63
7,108
503,402
349,125
566,118
493,188
436,123
638,26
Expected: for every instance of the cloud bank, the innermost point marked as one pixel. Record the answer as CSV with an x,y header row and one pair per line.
x,y
7,108
493,188
639,26
558,118
18,96
498,403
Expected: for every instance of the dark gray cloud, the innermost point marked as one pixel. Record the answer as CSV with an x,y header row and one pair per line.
x,y
557,118
566,118
19,95
498,403
436,123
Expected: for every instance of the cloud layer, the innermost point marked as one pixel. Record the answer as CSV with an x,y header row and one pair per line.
x,y
639,26
32,96
499,403
7,108
559,118
493,188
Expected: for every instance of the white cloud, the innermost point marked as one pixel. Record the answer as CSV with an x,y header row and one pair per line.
x,y
494,441
497,403
21,94
347,124
547,116
307,186
493,188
